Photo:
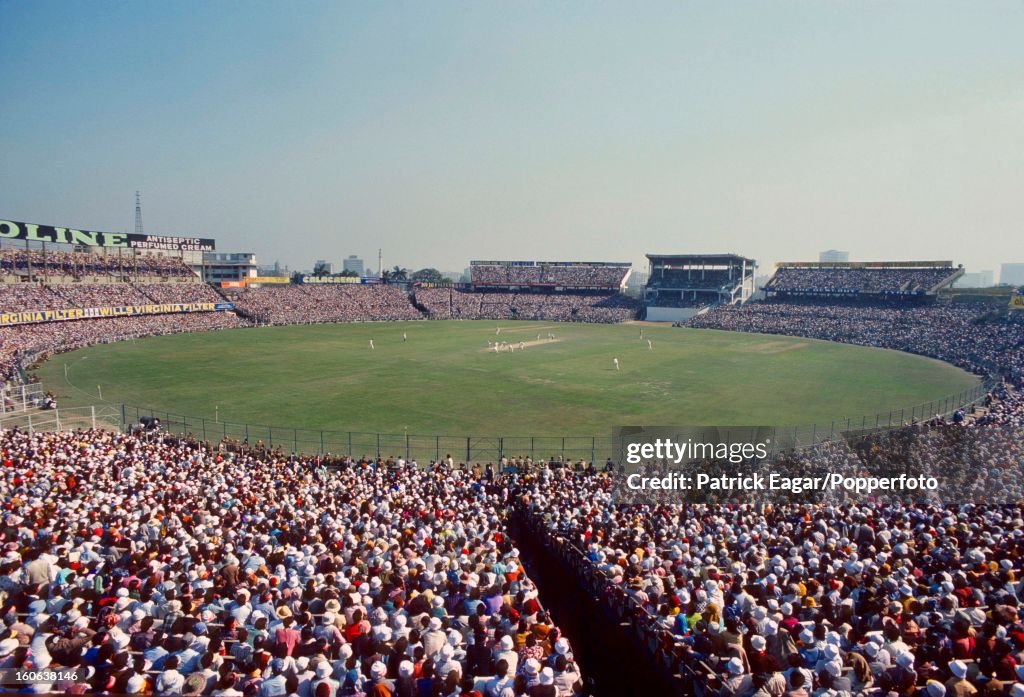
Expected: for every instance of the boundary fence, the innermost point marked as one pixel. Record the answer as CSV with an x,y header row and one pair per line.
x,y
478,448
21,397
42,420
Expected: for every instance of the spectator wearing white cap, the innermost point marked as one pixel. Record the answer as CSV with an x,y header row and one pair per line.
x,y
405,683
735,681
446,663
545,686
958,685
324,685
505,652
781,644
379,684
900,678
434,638
759,659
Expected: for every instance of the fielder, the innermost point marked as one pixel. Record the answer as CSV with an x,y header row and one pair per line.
x,y
616,362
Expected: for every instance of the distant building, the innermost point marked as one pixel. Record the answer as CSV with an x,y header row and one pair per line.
x,y
1012,274
326,266
226,266
354,264
977,279
276,269
831,256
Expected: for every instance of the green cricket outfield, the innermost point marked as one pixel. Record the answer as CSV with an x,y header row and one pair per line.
x,y
445,380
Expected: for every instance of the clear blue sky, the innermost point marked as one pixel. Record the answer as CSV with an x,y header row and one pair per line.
x,y
563,130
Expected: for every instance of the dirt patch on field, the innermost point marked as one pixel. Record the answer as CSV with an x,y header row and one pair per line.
x,y
525,344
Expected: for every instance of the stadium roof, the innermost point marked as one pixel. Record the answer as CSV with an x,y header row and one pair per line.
x,y
712,258
864,264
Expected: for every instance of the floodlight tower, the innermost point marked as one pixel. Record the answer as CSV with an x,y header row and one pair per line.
x,y
138,214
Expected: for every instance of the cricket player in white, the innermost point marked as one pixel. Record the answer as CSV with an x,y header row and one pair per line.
x,y
616,362
650,345
405,337
371,343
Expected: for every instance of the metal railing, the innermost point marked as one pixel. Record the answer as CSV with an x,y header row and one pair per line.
x,y
45,420
492,448
618,608
19,397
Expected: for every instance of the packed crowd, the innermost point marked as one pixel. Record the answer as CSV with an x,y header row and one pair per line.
x,y
962,334
24,344
165,566
854,280
549,275
684,279
151,565
681,299
450,303
19,262
829,595
806,599
301,304
36,296
179,293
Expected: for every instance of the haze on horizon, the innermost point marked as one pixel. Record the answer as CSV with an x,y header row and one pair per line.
x,y
445,132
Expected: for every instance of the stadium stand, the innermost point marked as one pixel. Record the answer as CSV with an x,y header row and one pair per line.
x,y
173,567
964,335
871,598
157,564
885,278
185,567
595,307
568,275
875,597
681,286
19,263
304,304
24,344
32,296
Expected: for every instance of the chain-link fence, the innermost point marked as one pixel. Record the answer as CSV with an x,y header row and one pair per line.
x,y
483,449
